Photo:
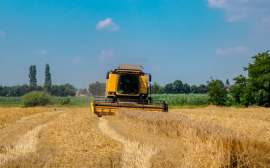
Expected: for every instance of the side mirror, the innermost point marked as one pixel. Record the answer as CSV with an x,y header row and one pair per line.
x,y
149,77
107,75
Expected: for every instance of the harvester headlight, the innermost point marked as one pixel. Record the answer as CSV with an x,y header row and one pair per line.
x,y
112,93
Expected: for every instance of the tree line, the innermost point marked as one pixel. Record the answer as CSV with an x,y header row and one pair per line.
x,y
54,90
97,89
247,91
177,87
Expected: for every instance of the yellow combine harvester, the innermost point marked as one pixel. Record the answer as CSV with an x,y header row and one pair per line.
x,y
127,88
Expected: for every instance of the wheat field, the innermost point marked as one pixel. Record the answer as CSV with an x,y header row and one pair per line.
x,y
74,137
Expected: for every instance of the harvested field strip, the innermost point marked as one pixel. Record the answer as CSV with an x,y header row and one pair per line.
x,y
169,150
36,116
21,137
206,145
11,115
259,113
134,154
25,144
252,122
71,140
11,132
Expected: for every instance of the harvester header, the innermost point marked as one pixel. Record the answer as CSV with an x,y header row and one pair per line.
x,y
127,88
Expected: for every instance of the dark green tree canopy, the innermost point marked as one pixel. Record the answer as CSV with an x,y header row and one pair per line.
x,y
168,88
202,88
32,75
217,95
259,78
97,89
155,88
227,82
48,81
63,90
193,89
186,88
177,87
242,92
222,86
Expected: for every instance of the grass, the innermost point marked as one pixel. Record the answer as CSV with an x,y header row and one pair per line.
x,y
187,106
182,99
75,102
10,100
174,101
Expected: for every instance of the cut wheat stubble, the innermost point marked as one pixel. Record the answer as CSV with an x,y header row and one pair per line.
x,y
134,153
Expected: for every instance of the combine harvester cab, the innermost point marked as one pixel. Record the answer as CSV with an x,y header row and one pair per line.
x,y
127,88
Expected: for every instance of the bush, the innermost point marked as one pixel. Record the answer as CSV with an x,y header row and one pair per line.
x,y
65,101
217,94
36,98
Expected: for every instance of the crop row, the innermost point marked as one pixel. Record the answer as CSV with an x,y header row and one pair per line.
x,y
171,99
182,99
56,100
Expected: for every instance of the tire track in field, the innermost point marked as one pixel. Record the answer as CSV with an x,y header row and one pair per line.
x,y
27,142
23,119
134,154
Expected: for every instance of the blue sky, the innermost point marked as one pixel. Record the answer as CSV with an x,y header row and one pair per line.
x,y
171,39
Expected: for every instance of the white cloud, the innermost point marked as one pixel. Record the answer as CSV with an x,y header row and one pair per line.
x,y
227,51
107,24
76,60
217,3
241,49
235,18
2,34
106,54
238,10
41,52
232,50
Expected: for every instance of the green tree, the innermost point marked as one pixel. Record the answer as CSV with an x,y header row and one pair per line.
x,y
161,90
63,90
227,82
217,95
259,78
97,89
32,75
5,91
222,86
1,90
202,89
186,88
168,88
17,91
155,88
178,87
242,92
24,89
193,89
48,81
